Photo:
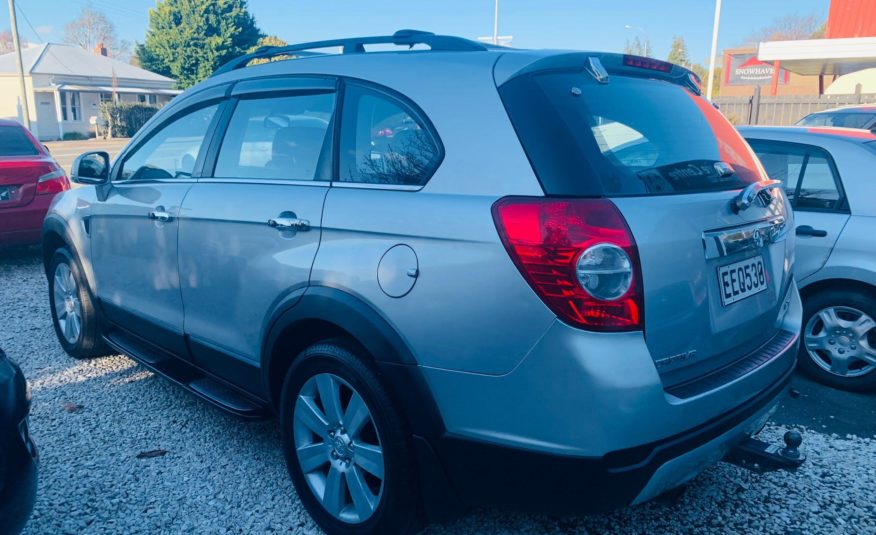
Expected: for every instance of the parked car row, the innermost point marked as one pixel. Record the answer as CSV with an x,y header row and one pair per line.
x,y
472,276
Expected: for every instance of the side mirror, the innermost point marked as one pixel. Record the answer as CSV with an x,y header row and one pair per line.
x,y
91,168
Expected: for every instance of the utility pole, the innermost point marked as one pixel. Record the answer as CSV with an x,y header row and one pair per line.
x,y
714,50
495,24
24,108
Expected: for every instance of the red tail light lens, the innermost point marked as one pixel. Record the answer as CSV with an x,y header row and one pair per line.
x,y
550,240
53,182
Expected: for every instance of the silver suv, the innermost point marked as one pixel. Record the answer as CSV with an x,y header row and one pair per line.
x,y
459,274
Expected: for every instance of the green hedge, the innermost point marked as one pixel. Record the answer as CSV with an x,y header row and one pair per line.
x,y
123,119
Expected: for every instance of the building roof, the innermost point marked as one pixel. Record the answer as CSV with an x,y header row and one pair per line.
x,y
67,60
821,56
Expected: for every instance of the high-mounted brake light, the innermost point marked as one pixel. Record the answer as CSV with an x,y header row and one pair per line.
x,y
579,257
53,182
647,63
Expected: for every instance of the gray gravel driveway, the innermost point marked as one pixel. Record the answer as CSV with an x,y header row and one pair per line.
x,y
124,451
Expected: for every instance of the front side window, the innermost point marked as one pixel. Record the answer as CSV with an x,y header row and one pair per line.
x,y
285,138
383,142
173,151
805,172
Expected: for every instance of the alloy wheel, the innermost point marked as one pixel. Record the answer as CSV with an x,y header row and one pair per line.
x,y
338,448
842,341
68,308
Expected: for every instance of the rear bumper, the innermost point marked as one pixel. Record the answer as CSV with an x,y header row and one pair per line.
x,y
585,423
23,225
497,476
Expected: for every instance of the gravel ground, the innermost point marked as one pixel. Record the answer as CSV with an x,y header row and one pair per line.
x,y
206,472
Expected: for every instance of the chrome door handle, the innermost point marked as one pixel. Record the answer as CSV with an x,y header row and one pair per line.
x,y
286,223
159,215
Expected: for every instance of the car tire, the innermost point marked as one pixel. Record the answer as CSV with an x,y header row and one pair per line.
x,y
390,503
74,315
838,326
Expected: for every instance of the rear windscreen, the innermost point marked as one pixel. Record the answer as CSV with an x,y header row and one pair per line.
x,y
843,120
630,136
14,142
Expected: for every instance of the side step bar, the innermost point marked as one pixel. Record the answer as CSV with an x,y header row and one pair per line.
x,y
222,395
761,457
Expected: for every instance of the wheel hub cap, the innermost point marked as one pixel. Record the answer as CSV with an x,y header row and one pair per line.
x,y
68,309
338,448
838,340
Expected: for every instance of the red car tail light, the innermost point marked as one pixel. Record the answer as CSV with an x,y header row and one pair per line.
x,y
54,181
579,257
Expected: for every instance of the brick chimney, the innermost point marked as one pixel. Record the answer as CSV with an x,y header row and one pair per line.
x,y
100,49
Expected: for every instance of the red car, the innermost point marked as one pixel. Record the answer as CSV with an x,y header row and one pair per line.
x,y
29,179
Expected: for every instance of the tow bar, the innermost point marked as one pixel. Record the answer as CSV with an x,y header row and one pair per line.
x,y
761,457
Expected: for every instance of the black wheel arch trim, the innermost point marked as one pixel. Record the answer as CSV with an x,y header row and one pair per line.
x,y
367,327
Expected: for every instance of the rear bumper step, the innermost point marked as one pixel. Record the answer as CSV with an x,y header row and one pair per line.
x,y
761,457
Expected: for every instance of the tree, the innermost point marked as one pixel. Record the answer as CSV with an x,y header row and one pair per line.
x,y
678,52
92,28
6,44
703,72
787,28
638,47
189,39
268,40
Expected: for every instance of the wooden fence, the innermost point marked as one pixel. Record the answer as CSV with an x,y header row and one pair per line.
x,y
786,110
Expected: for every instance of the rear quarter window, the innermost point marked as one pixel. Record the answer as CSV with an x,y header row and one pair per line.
x,y
630,136
14,142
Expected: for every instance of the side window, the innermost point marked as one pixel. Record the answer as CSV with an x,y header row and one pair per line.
x,y
383,142
173,150
818,188
806,173
283,137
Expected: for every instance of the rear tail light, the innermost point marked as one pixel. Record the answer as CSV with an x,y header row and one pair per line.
x,y
579,257
53,182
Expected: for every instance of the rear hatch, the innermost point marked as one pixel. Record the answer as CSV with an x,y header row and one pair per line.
x,y
637,131
21,166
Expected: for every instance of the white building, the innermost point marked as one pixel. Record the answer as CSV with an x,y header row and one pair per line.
x,y
66,84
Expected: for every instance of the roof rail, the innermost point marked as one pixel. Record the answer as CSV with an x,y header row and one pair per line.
x,y
356,45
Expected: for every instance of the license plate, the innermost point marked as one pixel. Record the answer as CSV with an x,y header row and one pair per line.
x,y
6,193
741,280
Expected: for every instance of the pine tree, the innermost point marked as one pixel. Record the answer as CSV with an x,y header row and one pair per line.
x,y
678,52
189,39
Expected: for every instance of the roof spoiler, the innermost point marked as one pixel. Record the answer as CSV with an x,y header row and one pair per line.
x,y
603,64
356,45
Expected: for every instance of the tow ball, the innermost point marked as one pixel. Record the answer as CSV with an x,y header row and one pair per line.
x,y
761,457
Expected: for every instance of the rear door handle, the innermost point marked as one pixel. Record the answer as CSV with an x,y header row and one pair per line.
x,y
160,215
806,230
289,223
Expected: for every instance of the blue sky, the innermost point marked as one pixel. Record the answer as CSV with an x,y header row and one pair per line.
x,y
582,24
